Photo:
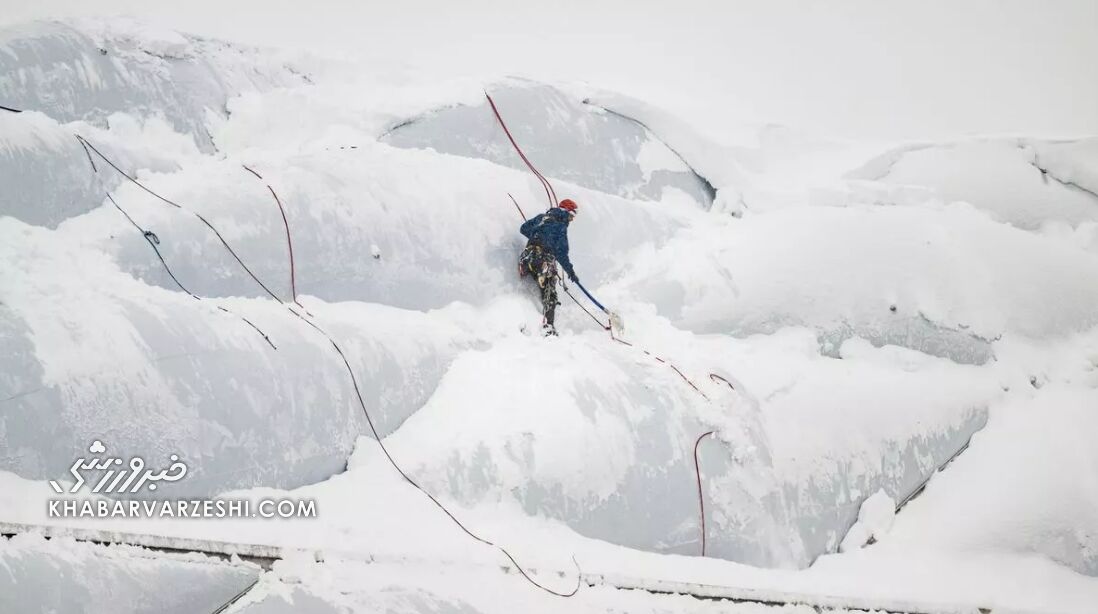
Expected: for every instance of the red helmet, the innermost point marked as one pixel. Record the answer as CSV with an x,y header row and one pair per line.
x,y
568,205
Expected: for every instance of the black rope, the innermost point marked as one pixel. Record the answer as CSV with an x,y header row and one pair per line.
x,y
88,153
585,310
517,206
354,383
154,241
10,109
237,597
604,326
181,207
408,478
1046,174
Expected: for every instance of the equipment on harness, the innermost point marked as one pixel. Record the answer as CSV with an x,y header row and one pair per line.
x,y
568,206
538,261
550,229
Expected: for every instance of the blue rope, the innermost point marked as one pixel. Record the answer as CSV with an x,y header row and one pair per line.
x,y
593,299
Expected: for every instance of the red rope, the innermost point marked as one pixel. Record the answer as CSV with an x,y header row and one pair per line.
x,y
550,193
701,498
408,478
289,242
661,360
289,245
715,377
358,392
609,327
517,206
199,216
153,241
697,470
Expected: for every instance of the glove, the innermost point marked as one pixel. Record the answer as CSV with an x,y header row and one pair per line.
x,y
572,277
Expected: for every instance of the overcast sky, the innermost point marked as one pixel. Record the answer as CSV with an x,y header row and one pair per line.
x,y
861,68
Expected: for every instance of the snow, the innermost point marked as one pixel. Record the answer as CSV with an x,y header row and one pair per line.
x,y
150,38
876,307
570,141
89,69
875,518
1001,177
939,265
65,576
988,516
1071,162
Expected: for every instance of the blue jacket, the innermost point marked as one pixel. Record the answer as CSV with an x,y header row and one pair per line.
x,y
550,229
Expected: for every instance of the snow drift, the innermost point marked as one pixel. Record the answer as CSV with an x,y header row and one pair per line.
x,y
867,338
581,144
83,80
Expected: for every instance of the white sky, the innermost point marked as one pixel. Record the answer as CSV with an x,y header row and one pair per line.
x,y
860,68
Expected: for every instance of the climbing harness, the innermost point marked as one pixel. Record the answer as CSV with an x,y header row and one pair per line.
x,y
616,322
538,261
615,326
346,363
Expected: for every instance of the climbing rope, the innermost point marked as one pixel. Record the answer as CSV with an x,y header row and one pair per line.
x,y
549,192
701,497
408,478
289,242
154,242
354,383
609,327
197,215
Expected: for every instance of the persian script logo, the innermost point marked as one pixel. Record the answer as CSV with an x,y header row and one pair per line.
x,y
135,474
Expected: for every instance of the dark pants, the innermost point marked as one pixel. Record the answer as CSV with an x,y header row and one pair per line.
x,y
539,263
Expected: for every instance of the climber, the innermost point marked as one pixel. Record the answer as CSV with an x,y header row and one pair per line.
x,y
548,244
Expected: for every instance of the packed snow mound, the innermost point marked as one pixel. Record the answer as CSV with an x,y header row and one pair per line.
x,y
94,354
145,97
50,178
1071,163
608,449
1024,182
859,336
439,237
578,143
94,69
724,157
45,174
875,518
966,510
930,278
